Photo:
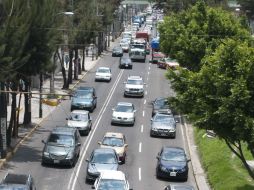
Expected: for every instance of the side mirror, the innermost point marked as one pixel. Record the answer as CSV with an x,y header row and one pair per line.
x,y
144,83
99,142
134,111
151,119
43,141
93,186
125,145
113,109
67,118
158,157
87,160
95,97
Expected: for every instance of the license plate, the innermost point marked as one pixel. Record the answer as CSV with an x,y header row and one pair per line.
x,y
173,174
56,161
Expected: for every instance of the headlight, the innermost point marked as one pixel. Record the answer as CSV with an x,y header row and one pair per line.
x,y
127,89
141,90
114,117
154,129
46,154
183,169
70,155
163,168
172,130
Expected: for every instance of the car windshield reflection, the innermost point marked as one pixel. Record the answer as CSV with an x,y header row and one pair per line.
x,y
61,139
78,117
109,184
111,141
103,158
128,109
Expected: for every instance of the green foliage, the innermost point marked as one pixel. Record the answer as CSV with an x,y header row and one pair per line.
x,y
190,35
219,161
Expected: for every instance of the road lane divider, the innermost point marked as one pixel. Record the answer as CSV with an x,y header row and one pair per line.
x,y
139,174
145,101
140,147
142,128
143,113
75,174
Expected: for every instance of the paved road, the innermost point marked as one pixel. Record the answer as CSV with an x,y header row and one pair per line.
x,y
142,149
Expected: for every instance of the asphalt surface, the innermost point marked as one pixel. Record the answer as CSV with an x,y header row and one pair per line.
x,y
142,150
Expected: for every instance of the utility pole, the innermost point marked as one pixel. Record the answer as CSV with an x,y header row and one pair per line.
x,y
40,99
3,122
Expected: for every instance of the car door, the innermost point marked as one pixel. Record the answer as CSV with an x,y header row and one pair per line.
x,y
94,98
77,142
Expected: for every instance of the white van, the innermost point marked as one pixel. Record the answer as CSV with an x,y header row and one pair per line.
x,y
137,54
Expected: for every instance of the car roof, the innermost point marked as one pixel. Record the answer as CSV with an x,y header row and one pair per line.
x,y
80,111
103,68
85,88
64,130
167,147
104,150
113,134
112,174
124,104
180,187
135,77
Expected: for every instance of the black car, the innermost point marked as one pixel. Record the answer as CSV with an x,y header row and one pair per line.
x,y
117,51
101,159
172,163
84,98
62,146
161,105
163,125
178,187
125,62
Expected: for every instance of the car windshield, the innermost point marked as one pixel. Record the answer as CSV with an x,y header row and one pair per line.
x,y
125,59
169,155
161,103
13,187
103,158
113,141
124,108
83,94
103,70
138,82
111,184
61,139
78,117
164,118
140,46
117,49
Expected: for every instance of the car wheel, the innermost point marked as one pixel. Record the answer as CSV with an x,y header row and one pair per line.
x,y
151,135
124,159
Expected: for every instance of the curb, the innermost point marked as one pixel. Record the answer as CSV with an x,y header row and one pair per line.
x,y
15,148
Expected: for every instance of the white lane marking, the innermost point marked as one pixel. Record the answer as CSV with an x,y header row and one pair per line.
x,y
142,129
146,93
143,113
140,147
144,101
147,78
75,174
181,126
149,68
148,73
139,174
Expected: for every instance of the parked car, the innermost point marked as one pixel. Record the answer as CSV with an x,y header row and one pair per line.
x,y
101,159
81,120
117,51
125,62
123,113
117,141
167,63
134,86
17,182
178,187
111,180
160,105
84,98
156,56
62,146
103,74
172,163
163,125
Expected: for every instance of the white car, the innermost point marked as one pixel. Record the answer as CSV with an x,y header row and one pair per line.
x,y
134,86
81,120
123,113
103,74
111,180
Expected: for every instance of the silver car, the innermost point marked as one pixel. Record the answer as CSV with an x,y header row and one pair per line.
x,y
163,125
123,113
101,159
81,120
134,86
103,74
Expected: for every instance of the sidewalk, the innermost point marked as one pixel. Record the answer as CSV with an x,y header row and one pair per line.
x,y
25,132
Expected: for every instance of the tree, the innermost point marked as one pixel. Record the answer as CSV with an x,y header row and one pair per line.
x,y
221,96
190,35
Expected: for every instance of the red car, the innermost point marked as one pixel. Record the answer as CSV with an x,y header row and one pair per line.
x,y
166,63
156,56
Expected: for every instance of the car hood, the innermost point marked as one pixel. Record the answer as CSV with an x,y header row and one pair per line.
x,y
72,123
82,100
134,86
123,114
173,164
97,167
159,125
58,150
125,63
119,150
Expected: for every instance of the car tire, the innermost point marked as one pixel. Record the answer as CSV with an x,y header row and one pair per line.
x,y
123,162
151,135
